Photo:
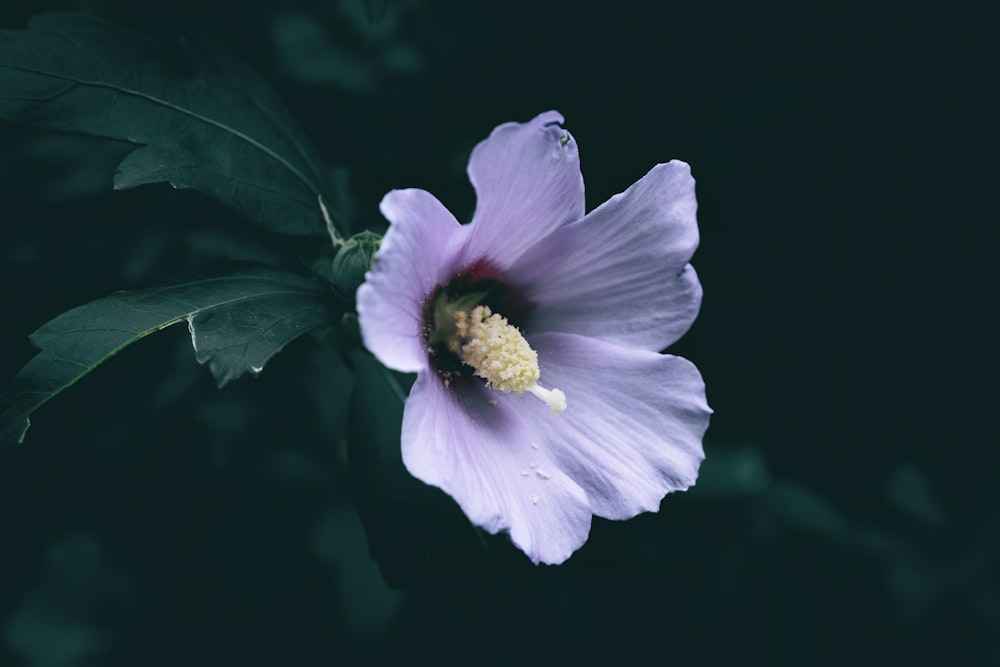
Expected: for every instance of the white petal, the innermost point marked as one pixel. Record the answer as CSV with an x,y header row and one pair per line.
x,y
633,426
621,274
528,182
478,450
410,263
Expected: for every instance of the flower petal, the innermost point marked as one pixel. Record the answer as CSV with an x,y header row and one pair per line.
x,y
621,274
528,182
478,450
410,263
633,425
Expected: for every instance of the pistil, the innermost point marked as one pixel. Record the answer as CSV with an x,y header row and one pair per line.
x,y
498,353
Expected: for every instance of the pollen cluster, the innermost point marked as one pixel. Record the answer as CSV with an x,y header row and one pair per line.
x,y
496,350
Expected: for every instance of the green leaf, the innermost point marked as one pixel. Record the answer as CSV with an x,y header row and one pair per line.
x,y
203,119
238,321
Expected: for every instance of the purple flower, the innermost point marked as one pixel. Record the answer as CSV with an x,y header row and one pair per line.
x,y
541,397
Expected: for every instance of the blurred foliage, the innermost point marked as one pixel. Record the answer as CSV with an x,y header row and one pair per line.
x,y
848,507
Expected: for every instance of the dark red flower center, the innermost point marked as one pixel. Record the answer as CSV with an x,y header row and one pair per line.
x,y
477,284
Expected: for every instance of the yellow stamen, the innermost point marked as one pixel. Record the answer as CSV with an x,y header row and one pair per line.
x,y
501,356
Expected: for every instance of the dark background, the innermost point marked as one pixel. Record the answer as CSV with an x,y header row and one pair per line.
x,y
848,509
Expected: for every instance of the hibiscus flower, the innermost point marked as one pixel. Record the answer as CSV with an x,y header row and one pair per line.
x,y
535,330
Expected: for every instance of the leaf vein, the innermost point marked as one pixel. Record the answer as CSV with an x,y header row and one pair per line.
x,y
184,112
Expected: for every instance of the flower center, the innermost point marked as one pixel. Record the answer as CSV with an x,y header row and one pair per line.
x,y
465,338
500,355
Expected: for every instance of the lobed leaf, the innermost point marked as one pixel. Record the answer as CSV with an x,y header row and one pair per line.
x,y
202,119
238,321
